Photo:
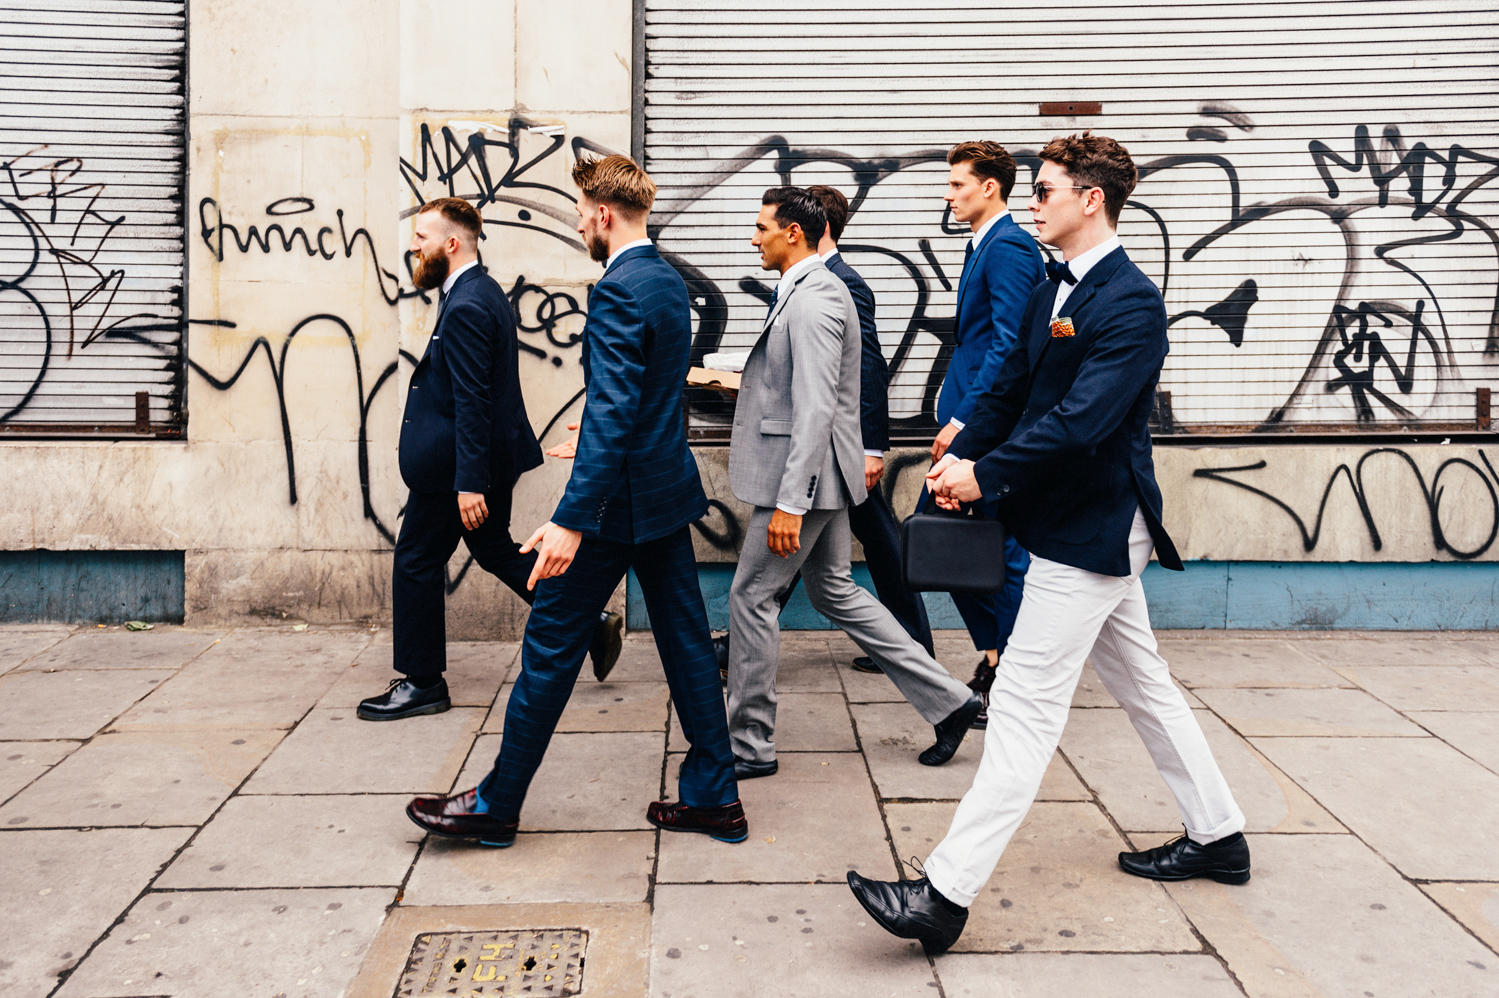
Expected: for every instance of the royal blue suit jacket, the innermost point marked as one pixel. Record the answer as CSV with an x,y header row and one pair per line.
x,y
465,428
633,478
1062,439
874,373
997,280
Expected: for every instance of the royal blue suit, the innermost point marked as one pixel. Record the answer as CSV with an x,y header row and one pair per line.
x,y
1061,441
998,278
633,493
464,430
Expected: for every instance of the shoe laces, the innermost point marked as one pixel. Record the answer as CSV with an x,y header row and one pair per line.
x,y
915,864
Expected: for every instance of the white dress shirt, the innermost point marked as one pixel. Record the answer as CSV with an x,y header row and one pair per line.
x,y
627,246
447,285
1080,265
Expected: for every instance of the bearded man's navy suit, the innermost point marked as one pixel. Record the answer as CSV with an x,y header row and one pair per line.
x,y
633,493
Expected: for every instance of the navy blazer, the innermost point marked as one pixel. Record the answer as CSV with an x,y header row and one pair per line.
x,y
1062,438
633,477
874,373
465,427
1000,275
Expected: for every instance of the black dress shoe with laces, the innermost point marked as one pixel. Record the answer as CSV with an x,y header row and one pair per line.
x,y
455,817
981,683
746,770
911,909
403,698
950,732
608,640
1226,861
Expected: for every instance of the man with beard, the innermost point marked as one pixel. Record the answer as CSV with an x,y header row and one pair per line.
x,y
465,440
630,502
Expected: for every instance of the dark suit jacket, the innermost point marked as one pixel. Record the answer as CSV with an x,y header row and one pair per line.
x,y
1000,275
633,478
1061,439
874,374
465,428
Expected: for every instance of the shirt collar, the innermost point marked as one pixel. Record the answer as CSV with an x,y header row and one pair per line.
x,y
453,277
978,237
828,257
795,271
627,246
1084,262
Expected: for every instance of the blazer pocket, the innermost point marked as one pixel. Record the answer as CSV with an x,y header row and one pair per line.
x,y
775,427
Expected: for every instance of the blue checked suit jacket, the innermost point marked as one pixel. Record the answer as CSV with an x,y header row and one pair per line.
x,y
633,478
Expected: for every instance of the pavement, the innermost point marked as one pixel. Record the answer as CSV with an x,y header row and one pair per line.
x,y
196,812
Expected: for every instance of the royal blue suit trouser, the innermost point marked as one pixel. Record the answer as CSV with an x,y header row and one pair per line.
x,y
558,633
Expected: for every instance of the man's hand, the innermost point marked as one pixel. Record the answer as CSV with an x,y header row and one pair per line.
x,y
471,509
567,449
784,535
555,548
943,441
953,484
874,470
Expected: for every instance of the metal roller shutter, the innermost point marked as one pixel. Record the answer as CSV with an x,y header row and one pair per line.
x,y
92,142
1318,196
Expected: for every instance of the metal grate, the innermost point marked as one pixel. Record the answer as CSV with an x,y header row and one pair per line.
x,y
538,963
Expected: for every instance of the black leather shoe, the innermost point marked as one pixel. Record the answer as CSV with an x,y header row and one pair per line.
x,y
455,817
726,823
721,653
608,639
403,698
950,732
866,664
1226,861
744,770
981,683
911,909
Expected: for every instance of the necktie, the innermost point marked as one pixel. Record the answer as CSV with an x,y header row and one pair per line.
x,y
774,294
1059,273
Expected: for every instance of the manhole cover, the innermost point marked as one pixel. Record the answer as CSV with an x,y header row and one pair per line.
x,y
534,963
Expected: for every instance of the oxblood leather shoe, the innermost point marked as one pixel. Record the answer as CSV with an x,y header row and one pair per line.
x,y
911,909
746,770
403,698
608,639
981,683
725,823
455,817
1226,861
950,732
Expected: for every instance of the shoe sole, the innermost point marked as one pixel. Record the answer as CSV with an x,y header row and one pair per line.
x,y
613,646
431,708
450,835
756,775
703,831
1233,877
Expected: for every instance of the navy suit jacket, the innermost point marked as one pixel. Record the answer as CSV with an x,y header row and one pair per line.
x,y
1000,275
874,374
465,427
633,478
1062,439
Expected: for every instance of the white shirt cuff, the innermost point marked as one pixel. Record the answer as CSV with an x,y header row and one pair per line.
x,y
958,423
875,453
794,511
947,459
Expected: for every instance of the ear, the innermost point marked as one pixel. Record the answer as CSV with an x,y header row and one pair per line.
x,y
606,215
990,187
794,233
1093,205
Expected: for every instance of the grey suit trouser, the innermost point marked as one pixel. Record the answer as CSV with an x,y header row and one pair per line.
x,y
755,634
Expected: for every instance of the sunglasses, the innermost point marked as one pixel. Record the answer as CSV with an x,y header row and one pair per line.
x,y
1044,191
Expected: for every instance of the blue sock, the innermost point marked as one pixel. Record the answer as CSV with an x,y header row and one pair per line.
x,y
481,806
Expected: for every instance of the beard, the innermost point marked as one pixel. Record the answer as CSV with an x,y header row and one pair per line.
x,y
430,271
598,247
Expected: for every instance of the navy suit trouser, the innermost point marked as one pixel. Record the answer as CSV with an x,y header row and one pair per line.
x,y
430,531
558,634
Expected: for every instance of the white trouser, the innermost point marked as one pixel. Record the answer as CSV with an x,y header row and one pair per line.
x,y
1065,613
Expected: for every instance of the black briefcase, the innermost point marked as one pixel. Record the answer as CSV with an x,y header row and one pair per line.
x,y
952,553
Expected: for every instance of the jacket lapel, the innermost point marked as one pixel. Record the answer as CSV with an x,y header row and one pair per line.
x,y
781,300
1076,302
973,266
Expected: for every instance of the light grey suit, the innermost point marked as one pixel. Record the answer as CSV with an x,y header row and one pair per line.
x,y
797,443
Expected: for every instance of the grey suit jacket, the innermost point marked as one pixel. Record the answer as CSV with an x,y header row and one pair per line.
x,y
796,422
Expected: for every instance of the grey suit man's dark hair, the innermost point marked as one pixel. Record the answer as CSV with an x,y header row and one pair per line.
x,y
798,205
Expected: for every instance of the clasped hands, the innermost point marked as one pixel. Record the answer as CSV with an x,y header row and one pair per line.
x,y
951,482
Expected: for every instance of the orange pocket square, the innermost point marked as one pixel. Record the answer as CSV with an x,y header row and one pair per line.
x,y
1061,327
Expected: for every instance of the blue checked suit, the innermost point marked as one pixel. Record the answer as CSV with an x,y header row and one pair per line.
x,y
633,493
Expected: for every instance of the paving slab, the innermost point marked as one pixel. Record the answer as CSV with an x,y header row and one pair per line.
x,y
1324,915
23,762
116,648
1048,975
586,783
17,644
334,752
1475,905
72,704
300,944
1109,756
1431,811
893,735
65,911
807,665
805,722
141,778
1058,886
1335,712
1245,662
1393,649
616,958
325,841
776,940
813,821
541,867
638,662
596,706
475,671
869,687
1473,733
1429,687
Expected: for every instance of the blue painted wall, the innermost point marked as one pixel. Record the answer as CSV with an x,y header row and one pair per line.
x,y
1249,595
94,587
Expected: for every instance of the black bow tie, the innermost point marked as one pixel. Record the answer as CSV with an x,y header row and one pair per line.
x,y
1059,273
